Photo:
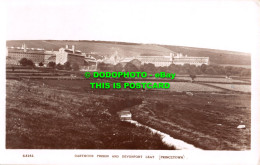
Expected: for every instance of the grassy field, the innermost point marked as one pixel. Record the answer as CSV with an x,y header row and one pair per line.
x,y
233,87
205,120
58,114
187,86
41,116
184,87
212,79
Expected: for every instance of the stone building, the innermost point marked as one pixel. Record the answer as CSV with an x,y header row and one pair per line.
x,y
70,55
15,54
156,60
179,59
173,58
49,57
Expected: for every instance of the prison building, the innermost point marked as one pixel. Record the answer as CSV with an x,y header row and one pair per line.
x,y
173,58
49,57
70,55
15,54
156,60
198,61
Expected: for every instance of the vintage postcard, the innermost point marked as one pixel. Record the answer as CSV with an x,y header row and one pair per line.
x,y
112,82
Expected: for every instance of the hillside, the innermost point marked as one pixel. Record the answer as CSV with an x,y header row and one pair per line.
x,y
92,46
133,49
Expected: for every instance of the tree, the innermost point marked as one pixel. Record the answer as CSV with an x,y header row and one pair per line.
x,y
228,71
23,61
203,68
137,63
51,64
210,70
228,74
101,66
192,72
40,64
198,70
236,70
192,76
67,65
26,62
75,67
192,69
30,63
228,68
219,69
245,72
172,68
129,67
149,67
118,67
186,67
59,66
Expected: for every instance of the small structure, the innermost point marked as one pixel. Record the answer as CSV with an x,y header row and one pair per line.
x,y
241,126
189,93
125,115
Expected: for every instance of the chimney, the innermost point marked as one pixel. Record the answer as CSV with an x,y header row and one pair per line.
x,y
171,56
67,47
73,48
24,47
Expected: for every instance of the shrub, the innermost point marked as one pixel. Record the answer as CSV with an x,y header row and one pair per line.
x,y
41,64
51,64
59,66
75,67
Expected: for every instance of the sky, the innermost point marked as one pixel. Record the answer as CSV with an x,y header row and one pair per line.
x,y
216,24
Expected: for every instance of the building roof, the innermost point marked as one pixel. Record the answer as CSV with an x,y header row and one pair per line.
x,y
40,52
96,56
71,51
127,59
52,58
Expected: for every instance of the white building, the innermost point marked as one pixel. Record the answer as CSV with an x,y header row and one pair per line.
x,y
173,58
70,55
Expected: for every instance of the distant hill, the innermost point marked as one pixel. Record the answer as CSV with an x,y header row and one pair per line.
x,y
124,49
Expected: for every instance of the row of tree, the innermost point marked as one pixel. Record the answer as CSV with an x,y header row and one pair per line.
x,y
151,68
66,66
178,69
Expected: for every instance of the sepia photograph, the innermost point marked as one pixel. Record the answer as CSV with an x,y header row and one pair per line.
x,y
51,105
130,80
